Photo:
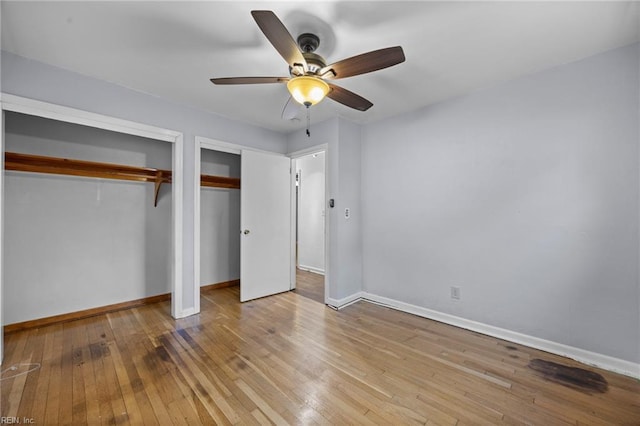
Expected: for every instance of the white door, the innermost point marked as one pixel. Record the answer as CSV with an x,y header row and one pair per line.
x,y
265,215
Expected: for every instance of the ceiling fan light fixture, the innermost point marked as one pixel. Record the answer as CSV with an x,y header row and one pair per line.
x,y
308,90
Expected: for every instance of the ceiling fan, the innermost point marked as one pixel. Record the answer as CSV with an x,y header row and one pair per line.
x,y
309,75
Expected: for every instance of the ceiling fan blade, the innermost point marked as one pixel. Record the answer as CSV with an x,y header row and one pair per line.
x,y
348,98
364,63
249,80
279,36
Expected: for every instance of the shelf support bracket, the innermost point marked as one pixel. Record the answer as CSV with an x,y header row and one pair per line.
x,y
158,183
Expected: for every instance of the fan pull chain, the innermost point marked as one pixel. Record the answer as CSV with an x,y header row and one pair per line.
x,y
308,122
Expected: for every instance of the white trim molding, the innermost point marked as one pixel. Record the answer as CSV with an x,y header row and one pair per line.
x,y
311,269
606,362
345,301
76,116
309,151
188,312
228,147
327,223
1,230
178,309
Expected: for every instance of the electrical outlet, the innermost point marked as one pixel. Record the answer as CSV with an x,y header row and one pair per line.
x,y
455,293
347,213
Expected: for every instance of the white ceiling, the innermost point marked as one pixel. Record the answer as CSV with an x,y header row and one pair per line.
x,y
172,49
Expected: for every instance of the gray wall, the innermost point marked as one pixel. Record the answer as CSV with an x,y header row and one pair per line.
x,y
349,231
35,80
219,221
525,195
311,211
77,243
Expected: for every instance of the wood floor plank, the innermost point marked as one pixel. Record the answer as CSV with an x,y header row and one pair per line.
x,y
44,375
310,285
264,407
34,352
14,380
78,392
65,410
132,411
184,401
147,364
135,384
289,359
92,406
205,389
51,415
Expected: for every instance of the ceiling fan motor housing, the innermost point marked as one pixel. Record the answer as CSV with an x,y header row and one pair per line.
x,y
308,42
315,62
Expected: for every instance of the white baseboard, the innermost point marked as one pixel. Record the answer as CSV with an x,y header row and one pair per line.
x,y
606,362
186,312
345,301
311,269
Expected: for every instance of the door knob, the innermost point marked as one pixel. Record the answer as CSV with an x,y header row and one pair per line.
x,y
245,232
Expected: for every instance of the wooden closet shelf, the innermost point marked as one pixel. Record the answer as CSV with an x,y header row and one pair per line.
x,y
219,182
64,166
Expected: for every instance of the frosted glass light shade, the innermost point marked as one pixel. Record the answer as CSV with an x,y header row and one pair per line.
x,y
307,90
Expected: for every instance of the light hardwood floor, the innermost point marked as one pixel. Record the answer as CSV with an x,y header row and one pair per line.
x,y
287,359
310,285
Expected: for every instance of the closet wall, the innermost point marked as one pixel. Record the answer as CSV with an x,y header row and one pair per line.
x,y
76,243
219,221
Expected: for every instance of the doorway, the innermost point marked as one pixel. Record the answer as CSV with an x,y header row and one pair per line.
x,y
265,219
310,225
232,148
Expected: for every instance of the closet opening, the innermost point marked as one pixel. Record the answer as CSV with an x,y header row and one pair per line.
x,y
76,242
219,221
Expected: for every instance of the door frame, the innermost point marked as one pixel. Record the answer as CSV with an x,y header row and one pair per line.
x,y
202,142
13,103
327,217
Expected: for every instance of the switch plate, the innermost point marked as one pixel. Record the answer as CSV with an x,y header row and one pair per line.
x,y
455,293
